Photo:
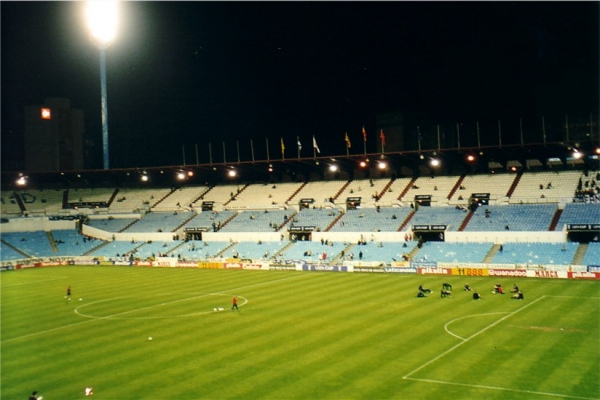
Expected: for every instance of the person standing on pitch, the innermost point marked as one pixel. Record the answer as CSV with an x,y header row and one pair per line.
x,y
68,296
234,304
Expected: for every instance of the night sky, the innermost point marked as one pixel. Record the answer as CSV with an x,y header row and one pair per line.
x,y
183,74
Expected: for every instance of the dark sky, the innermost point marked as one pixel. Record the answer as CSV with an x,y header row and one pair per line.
x,y
187,73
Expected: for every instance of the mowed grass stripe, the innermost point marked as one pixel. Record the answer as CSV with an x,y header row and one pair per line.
x,y
302,335
498,355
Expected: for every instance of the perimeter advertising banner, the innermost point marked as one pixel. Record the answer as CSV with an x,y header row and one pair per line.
x,y
210,265
584,275
326,268
470,271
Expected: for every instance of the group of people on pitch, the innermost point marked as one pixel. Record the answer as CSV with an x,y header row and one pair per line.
x,y
447,291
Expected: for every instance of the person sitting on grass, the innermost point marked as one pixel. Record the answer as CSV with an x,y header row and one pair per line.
x,y
421,294
498,289
515,289
446,286
445,293
423,289
476,296
467,287
518,296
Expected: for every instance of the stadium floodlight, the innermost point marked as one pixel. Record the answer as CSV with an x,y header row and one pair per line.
x,y
102,17
576,154
435,162
232,173
382,165
333,168
21,180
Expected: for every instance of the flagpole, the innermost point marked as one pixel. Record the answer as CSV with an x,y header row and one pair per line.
x,y
299,145
197,154
224,157
478,137
183,152
419,138
347,140
237,143
521,130
458,134
499,134
252,149
267,140
210,152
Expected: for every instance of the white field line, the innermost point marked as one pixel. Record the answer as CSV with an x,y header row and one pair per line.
x,y
407,376
470,337
158,305
501,388
468,316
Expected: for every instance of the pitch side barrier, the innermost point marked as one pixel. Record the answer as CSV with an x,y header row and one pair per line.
x,y
421,268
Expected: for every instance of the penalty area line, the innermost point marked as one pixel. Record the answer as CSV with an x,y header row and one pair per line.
x,y
469,338
501,388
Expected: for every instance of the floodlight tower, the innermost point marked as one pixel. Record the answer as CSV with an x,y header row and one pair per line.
x,y
102,17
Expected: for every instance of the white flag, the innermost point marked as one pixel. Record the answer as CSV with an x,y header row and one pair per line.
x,y
315,145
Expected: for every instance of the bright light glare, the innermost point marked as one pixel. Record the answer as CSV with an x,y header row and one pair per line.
x,y
333,168
435,162
180,176
382,165
21,181
577,155
144,178
102,17
232,173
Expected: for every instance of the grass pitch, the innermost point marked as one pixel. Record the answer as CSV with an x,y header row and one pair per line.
x,y
297,336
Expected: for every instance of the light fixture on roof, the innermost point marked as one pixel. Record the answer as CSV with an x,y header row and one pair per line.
x,y
577,154
333,168
470,158
363,164
232,173
434,162
382,165
180,175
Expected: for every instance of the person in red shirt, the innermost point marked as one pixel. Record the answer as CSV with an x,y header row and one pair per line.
x,y
234,304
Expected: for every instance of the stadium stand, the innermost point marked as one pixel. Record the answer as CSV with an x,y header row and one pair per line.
x,y
160,221
592,255
271,210
453,252
553,186
536,253
450,216
523,217
579,213
111,224
386,219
